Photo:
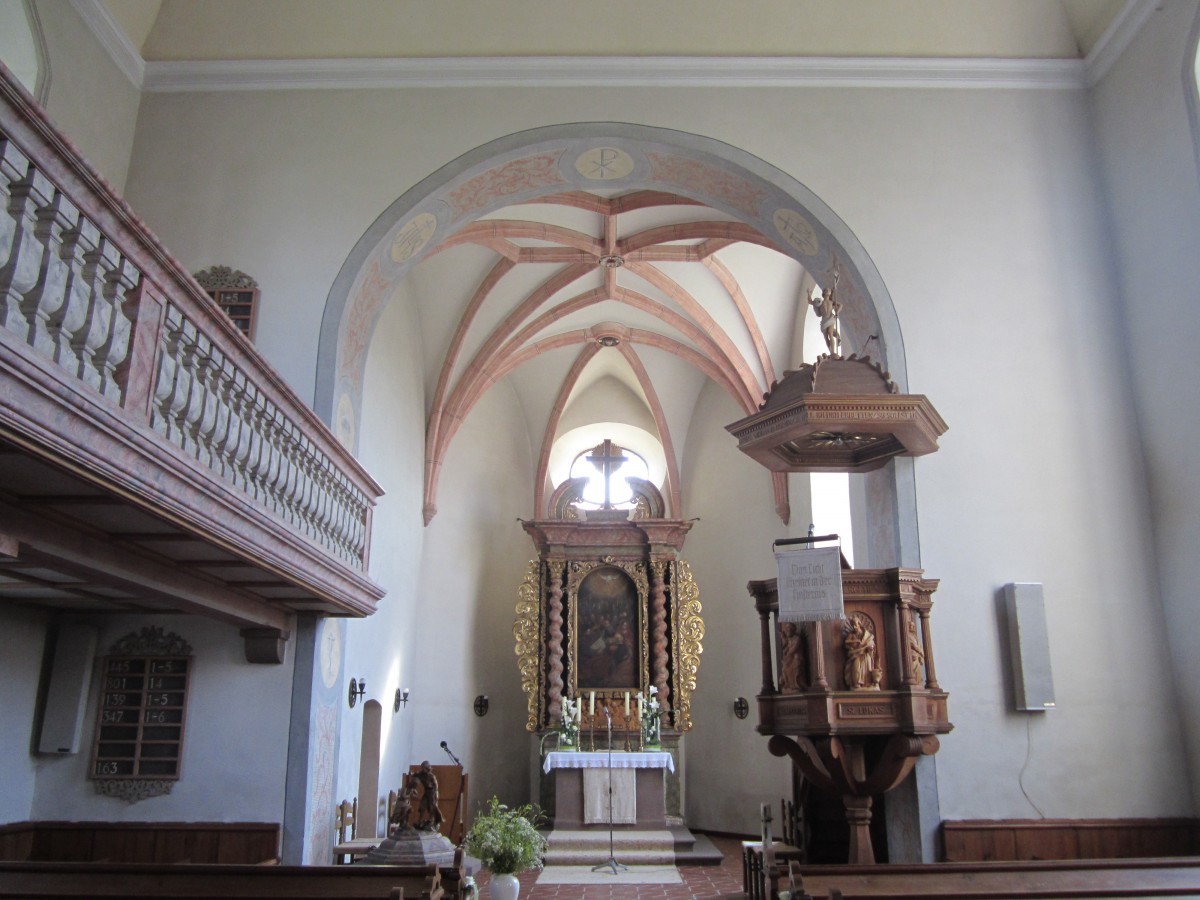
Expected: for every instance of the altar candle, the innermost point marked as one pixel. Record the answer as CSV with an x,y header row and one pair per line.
x,y
640,710
627,704
592,703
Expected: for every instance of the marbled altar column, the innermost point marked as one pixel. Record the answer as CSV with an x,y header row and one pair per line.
x,y
659,647
554,642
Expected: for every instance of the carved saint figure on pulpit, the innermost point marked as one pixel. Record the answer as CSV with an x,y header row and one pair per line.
x,y
792,655
916,654
858,639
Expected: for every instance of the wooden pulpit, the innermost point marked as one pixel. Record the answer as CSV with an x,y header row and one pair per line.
x,y
857,700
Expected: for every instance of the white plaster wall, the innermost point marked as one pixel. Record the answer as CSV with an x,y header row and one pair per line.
x,y
992,244
476,556
89,97
1148,142
22,640
235,745
729,773
383,648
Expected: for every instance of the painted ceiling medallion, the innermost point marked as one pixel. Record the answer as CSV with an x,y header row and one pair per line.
x,y
609,340
604,164
837,415
611,262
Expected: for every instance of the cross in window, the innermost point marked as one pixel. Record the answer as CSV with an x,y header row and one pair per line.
x,y
608,459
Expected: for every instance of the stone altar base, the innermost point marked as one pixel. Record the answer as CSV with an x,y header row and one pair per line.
x,y
412,848
568,801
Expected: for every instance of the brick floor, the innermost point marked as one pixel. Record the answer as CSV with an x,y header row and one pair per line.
x,y
707,882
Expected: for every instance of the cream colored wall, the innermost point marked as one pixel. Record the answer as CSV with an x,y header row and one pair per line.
x,y
729,772
89,98
22,640
476,556
1149,147
383,648
989,240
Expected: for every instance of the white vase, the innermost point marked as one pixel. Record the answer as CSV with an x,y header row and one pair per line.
x,y
505,887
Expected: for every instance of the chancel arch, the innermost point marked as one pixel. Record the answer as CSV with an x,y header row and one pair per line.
x,y
605,173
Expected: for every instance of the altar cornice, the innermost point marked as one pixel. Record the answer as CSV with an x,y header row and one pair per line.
x,y
571,538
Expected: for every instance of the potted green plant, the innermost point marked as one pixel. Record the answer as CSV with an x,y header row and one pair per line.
x,y
506,840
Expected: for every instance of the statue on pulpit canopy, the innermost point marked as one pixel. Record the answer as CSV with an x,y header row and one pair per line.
x,y
827,306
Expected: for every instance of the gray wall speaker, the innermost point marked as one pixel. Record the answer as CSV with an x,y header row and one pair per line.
x,y
67,693
1029,644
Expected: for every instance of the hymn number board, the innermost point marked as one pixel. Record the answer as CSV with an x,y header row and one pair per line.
x,y
142,710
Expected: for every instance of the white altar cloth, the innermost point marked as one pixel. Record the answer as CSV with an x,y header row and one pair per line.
x,y
578,759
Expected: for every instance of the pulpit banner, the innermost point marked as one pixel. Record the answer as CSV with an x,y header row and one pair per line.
x,y
809,584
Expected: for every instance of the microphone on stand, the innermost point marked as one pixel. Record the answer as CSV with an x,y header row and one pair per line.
x,y
451,755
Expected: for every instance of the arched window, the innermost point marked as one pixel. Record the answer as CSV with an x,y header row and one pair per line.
x,y
607,467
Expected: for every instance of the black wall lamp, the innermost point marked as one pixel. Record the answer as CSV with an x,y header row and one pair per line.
x,y
741,708
357,689
481,705
401,700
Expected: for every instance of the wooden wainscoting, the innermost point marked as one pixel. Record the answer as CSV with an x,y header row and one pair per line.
x,y
141,842
971,840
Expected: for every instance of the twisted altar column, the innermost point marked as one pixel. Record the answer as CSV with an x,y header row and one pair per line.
x,y
554,641
659,675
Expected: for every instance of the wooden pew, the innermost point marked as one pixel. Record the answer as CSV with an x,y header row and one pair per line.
x,y
141,842
183,881
1159,877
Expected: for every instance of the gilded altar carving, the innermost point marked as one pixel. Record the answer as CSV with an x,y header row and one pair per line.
x,y
689,641
525,630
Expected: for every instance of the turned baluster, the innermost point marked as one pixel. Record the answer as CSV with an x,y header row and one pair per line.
x,y
93,333
43,305
119,284
20,251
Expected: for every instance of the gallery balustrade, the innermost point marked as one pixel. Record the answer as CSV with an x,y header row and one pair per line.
x,y
96,313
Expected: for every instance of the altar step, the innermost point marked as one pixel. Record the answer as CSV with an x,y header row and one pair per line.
x,y
591,847
672,846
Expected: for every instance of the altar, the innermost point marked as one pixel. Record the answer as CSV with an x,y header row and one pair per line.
x,y
583,781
